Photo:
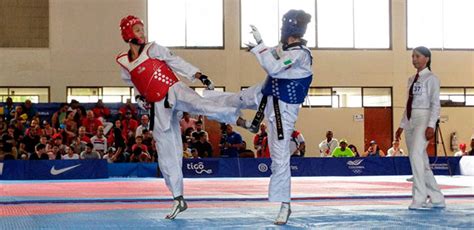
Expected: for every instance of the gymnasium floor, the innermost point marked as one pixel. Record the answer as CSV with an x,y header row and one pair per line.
x,y
231,203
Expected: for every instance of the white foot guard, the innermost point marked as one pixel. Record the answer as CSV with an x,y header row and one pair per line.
x,y
179,205
285,212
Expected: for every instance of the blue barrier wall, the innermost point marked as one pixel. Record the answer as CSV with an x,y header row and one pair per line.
x,y
225,167
246,167
54,169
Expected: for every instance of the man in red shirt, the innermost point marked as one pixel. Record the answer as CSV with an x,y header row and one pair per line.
x,y
91,123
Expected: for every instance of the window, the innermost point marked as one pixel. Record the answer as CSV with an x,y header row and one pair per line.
x,y
318,97
21,94
346,97
349,97
186,23
443,24
377,97
107,94
470,97
360,24
452,97
268,21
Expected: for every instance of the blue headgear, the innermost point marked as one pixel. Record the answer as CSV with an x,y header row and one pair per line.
x,y
294,23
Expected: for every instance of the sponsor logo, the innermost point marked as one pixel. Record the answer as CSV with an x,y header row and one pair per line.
x,y
199,168
355,162
262,167
442,166
141,69
55,172
355,166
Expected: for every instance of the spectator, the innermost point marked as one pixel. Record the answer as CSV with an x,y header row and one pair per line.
x,y
70,126
128,107
187,135
186,150
58,141
60,115
9,140
103,114
327,146
55,154
374,150
244,152
83,135
91,123
110,155
144,124
8,110
31,137
89,153
258,139
78,145
28,108
19,116
139,155
342,151
100,111
48,130
265,153
471,153
198,131
462,150
129,125
297,144
232,144
202,145
117,141
150,144
354,150
79,111
186,122
40,153
395,150
139,144
99,141
70,154
3,125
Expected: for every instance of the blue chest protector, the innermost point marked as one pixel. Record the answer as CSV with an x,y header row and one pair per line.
x,y
292,91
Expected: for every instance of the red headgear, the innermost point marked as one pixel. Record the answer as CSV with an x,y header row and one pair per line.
x,y
126,25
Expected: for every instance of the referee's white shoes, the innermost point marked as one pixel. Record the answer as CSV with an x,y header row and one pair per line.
x,y
179,205
285,212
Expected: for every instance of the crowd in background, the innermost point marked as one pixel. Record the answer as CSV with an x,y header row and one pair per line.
x,y
72,132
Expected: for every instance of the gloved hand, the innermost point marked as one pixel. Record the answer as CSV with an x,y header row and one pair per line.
x,y
207,82
256,34
250,46
141,102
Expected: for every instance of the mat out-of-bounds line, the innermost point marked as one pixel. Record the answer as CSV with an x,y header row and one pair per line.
x,y
243,199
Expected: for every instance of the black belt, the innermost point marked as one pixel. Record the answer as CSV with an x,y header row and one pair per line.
x,y
152,111
260,115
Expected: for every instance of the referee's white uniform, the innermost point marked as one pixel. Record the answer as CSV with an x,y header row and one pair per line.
x,y
425,113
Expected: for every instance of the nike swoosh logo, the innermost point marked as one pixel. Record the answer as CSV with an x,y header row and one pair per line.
x,y
55,172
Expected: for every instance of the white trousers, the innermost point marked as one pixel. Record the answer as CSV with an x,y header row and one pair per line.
x,y
167,132
280,180
424,183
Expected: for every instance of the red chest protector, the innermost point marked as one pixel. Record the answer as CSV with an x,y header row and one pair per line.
x,y
152,77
